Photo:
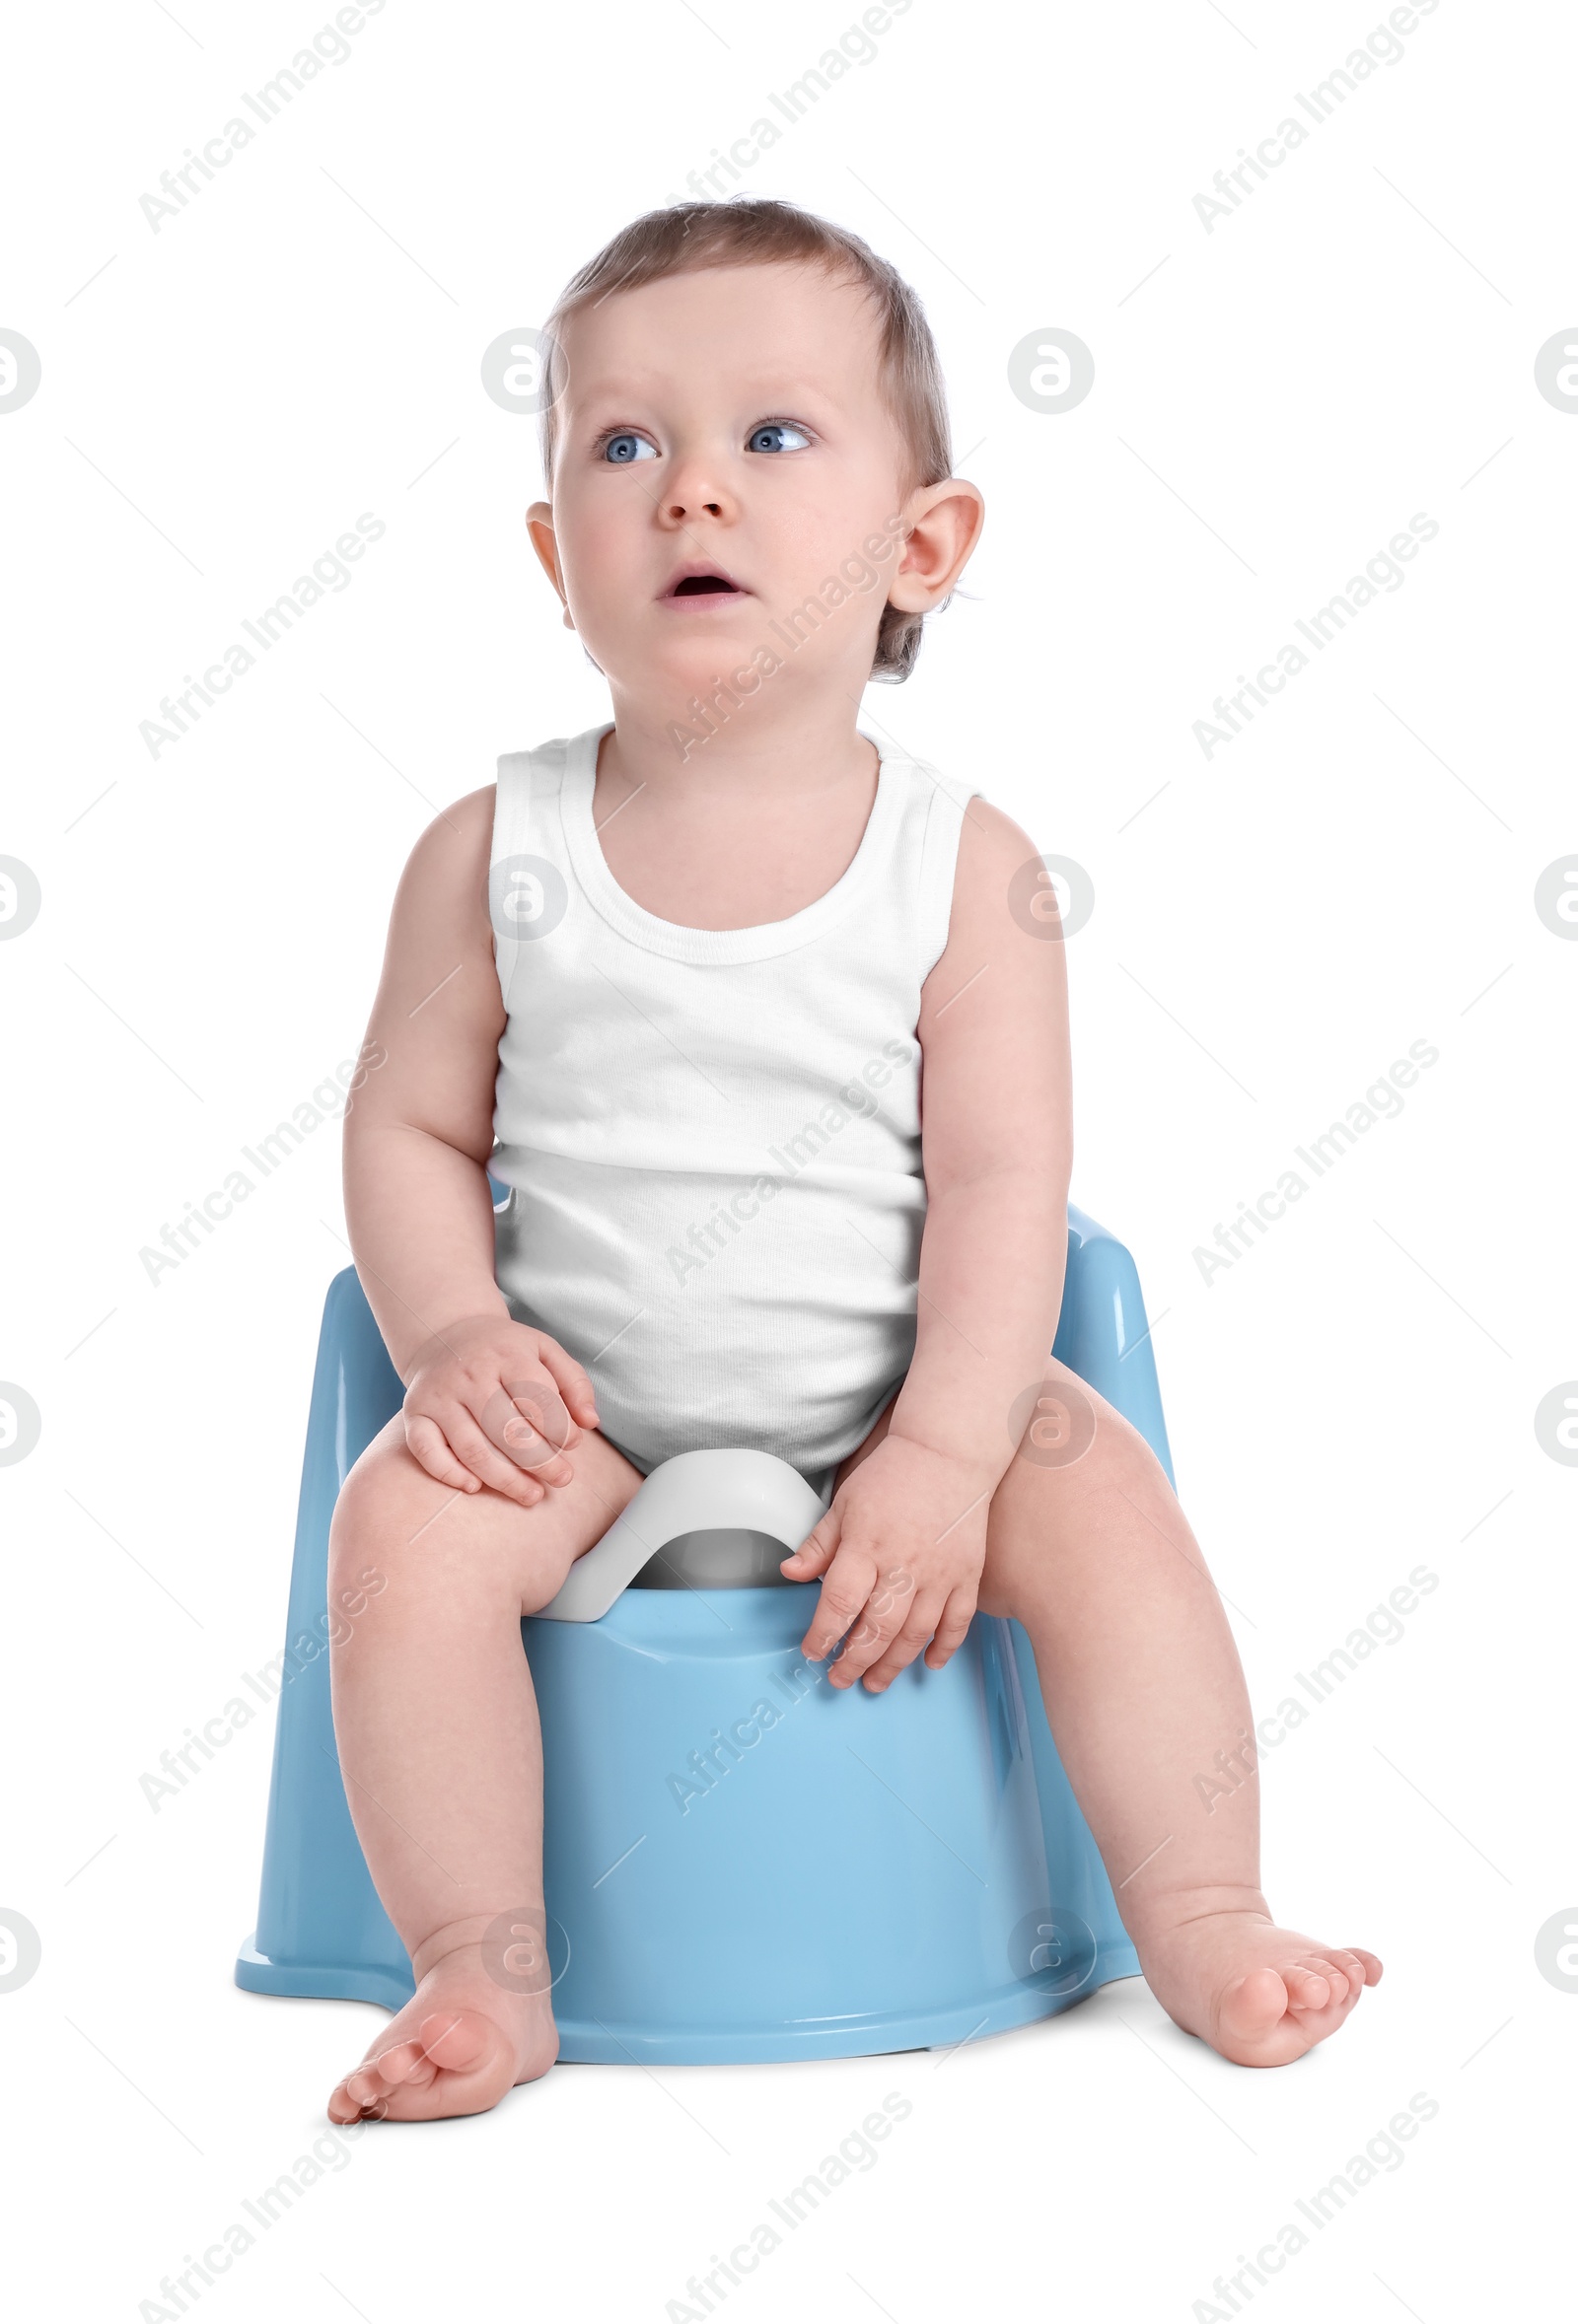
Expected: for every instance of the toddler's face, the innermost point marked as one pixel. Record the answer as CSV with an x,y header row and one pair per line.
x,y
724,422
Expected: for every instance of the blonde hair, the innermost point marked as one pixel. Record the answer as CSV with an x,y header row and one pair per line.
x,y
689,236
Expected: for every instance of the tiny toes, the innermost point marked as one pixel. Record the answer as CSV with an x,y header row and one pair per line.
x,y
1251,2003
399,2064
1335,1983
363,2092
456,2040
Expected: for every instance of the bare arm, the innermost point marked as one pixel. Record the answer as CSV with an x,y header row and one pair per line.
x,y
997,1139
488,1401
420,1131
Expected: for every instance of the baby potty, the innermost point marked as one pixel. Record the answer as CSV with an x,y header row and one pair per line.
x,y
740,1862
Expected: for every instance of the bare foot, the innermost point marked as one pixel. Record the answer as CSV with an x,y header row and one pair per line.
x,y
459,2043
1261,1995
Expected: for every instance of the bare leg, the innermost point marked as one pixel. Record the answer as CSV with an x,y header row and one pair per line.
x,y
1147,1705
1148,1708
437,1726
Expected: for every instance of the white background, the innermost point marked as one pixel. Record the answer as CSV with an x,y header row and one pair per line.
x,y
1273,927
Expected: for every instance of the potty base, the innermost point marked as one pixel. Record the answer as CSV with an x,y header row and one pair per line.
x,y
588,2044
741,1864
867,2037
322,1981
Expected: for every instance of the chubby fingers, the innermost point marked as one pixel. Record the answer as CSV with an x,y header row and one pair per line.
x,y
526,1421
427,1442
512,1436
941,1615
906,1643
870,1601
892,1612
957,1616
457,1453
573,1383
846,1587
810,1558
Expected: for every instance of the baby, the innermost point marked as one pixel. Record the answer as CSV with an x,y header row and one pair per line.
x,y
644,960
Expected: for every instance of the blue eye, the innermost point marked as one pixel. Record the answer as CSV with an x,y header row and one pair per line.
x,y
763,438
620,450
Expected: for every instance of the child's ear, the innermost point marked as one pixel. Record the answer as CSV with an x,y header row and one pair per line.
x,y
945,523
540,532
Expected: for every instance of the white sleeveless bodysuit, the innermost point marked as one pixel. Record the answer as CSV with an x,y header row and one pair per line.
x,y
712,1136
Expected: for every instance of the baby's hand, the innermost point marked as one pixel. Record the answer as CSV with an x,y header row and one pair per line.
x,y
492,1402
902,1547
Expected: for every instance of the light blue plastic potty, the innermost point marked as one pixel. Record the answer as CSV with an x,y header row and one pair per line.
x,y
740,1862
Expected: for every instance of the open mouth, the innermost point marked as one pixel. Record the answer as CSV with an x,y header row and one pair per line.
x,y
706,580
